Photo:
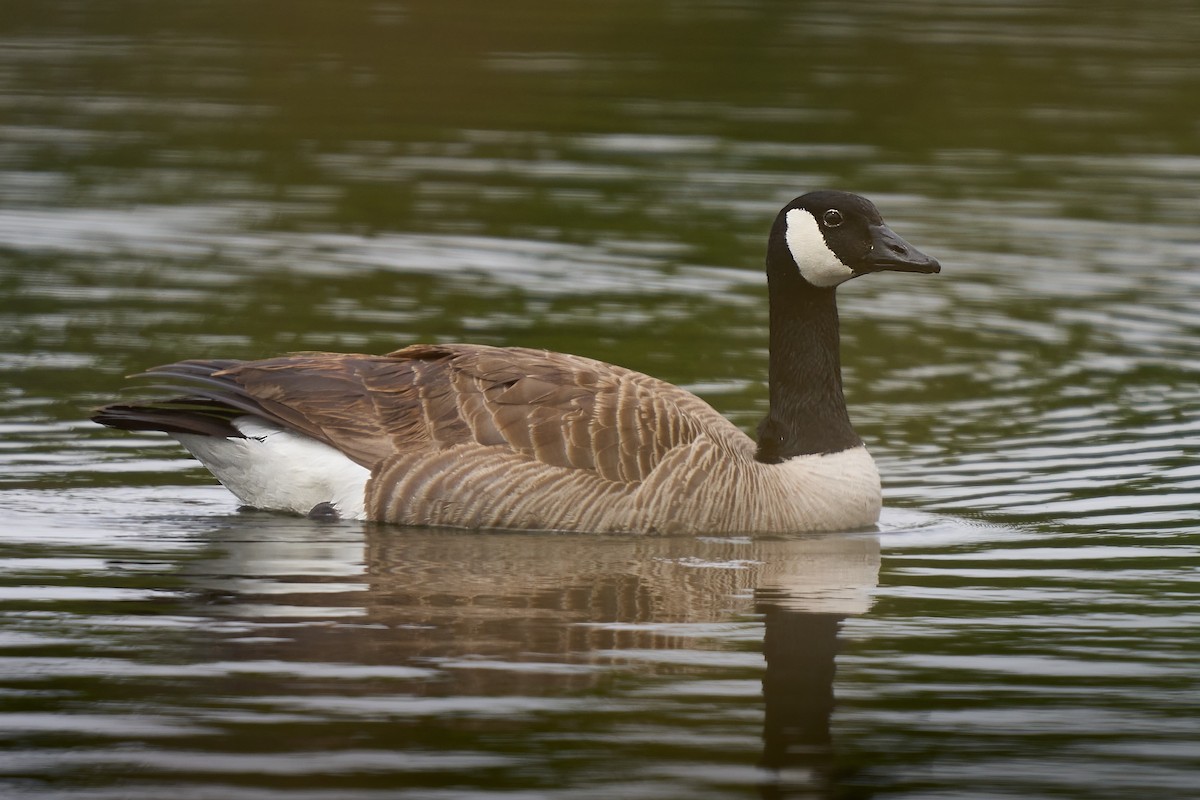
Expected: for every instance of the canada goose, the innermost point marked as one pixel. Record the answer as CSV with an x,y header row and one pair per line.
x,y
473,436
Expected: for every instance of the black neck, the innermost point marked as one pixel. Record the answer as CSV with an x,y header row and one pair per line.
x,y
808,410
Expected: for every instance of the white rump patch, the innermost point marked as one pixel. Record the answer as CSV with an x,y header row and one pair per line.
x,y
281,470
816,261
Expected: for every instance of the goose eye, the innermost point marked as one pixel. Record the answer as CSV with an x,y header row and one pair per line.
x,y
832,218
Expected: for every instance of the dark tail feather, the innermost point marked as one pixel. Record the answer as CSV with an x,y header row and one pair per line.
x,y
179,415
205,412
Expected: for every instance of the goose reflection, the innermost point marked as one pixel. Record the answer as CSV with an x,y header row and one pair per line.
x,y
553,615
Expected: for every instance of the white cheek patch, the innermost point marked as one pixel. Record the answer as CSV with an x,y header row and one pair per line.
x,y
816,261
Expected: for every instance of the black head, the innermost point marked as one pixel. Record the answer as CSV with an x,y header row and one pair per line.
x,y
833,236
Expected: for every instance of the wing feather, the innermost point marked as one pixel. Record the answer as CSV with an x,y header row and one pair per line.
x,y
557,409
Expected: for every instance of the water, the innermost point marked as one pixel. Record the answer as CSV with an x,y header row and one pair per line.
x,y
216,179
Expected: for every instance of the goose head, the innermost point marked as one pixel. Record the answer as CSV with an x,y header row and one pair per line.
x,y
829,237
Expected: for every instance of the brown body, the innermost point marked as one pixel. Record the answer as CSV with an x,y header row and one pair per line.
x,y
473,436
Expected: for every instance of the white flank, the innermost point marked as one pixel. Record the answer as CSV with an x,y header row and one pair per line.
x,y
812,255
281,470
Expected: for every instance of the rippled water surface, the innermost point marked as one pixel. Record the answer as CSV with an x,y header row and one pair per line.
x,y
227,179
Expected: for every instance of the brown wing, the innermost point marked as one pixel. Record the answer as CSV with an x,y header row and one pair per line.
x,y
560,410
